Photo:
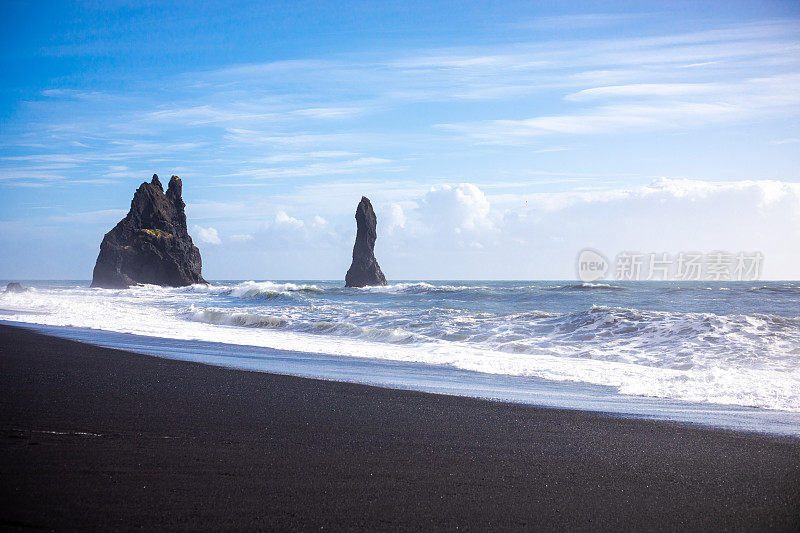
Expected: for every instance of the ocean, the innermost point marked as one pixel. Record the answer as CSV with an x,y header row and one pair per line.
x,y
725,354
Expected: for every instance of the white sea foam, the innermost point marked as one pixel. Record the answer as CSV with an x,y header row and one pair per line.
x,y
416,287
747,359
247,289
586,286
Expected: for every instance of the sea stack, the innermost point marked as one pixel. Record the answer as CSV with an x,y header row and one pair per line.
x,y
365,270
151,244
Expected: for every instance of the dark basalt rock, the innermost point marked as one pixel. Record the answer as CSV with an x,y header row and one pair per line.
x,y
365,269
151,244
15,287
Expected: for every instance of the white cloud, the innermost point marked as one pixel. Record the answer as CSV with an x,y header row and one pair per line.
x,y
538,235
282,219
291,235
362,164
150,147
456,208
207,235
105,216
648,107
645,89
331,112
198,115
674,215
276,120
304,156
395,218
601,85
502,231
248,136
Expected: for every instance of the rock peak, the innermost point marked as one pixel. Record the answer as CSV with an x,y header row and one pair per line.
x,y
175,190
365,271
151,244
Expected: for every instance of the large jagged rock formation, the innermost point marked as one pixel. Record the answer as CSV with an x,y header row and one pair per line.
x,y
365,269
151,244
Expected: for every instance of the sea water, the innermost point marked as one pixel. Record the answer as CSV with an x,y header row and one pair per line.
x,y
719,353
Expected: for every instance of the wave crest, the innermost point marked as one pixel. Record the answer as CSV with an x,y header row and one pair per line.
x,y
254,289
587,287
393,335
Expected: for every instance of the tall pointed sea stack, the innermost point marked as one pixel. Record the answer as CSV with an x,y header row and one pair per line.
x,y
365,269
151,244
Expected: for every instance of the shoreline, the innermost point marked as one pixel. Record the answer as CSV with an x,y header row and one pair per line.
x,y
437,379
99,437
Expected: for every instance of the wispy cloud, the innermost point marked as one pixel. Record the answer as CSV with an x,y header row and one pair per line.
x,y
353,166
89,217
42,173
276,119
605,119
305,156
645,90
331,112
579,21
648,106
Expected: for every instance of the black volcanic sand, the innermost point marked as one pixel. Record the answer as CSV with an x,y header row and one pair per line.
x,y
99,438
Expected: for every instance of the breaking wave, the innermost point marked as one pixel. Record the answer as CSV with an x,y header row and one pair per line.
x,y
736,346
254,290
587,287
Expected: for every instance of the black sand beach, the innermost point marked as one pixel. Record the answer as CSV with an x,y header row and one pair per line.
x,y
99,438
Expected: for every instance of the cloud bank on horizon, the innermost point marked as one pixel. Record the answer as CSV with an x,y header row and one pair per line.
x,y
492,145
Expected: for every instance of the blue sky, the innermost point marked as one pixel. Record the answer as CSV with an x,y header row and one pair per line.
x,y
495,139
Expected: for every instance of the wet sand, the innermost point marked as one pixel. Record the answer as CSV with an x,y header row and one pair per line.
x,y
100,438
